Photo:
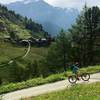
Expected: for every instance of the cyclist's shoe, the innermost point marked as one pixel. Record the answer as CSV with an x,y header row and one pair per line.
x,y
78,78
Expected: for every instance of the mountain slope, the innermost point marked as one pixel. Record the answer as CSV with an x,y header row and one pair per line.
x,y
14,23
52,18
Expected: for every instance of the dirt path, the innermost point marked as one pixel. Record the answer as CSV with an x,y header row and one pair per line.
x,y
34,91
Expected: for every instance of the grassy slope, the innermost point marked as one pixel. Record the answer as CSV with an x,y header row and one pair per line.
x,y
12,22
8,51
19,30
77,92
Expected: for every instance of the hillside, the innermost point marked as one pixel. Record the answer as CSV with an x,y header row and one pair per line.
x,y
21,27
15,27
52,18
20,69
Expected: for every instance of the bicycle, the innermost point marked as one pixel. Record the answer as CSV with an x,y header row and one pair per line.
x,y
74,79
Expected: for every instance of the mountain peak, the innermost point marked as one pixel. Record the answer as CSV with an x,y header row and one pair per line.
x,y
52,18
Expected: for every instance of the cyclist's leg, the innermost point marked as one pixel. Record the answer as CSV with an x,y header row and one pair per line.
x,y
77,75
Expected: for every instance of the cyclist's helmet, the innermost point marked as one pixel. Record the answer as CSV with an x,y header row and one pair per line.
x,y
77,64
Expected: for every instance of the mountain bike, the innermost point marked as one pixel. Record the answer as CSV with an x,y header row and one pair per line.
x,y
83,76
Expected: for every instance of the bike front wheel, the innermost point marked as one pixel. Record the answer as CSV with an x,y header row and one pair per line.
x,y
85,76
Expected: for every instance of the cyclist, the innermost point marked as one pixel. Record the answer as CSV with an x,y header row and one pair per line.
x,y
75,68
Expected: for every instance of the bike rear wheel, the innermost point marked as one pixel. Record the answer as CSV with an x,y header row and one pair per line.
x,y
72,79
85,76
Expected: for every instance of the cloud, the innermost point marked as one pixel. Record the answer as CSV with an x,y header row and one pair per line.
x,y
73,3
8,1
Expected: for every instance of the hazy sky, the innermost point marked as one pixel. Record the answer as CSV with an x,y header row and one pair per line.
x,y
64,3
8,1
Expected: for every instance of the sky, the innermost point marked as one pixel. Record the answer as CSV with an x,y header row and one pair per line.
x,y
64,3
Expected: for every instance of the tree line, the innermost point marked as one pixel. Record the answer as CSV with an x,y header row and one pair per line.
x,y
80,44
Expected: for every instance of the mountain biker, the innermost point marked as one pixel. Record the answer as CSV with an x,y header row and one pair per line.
x,y
75,68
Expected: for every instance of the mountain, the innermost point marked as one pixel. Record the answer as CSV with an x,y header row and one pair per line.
x,y
16,25
52,18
